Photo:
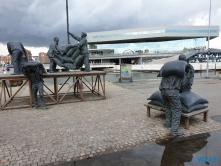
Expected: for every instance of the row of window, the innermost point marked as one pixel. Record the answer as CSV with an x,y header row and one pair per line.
x,y
191,31
153,32
152,47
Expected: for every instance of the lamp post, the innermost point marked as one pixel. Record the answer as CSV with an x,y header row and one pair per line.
x,y
208,41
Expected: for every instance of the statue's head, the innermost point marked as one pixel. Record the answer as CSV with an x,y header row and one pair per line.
x,y
56,39
83,34
182,57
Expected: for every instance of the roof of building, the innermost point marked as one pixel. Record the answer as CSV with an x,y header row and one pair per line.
x,y
151,34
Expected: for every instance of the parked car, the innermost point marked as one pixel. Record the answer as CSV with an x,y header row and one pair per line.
x,y
9,66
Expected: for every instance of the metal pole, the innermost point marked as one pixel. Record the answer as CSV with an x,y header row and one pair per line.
x,y
67,21
208,41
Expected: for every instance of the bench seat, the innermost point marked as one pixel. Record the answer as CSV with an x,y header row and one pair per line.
x,y
185,115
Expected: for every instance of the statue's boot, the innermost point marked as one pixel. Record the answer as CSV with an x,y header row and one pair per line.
x,y
177,133
43,103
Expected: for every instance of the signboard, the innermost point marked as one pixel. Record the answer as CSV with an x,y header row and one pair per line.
x,y
126,73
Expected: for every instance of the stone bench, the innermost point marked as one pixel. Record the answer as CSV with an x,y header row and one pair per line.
x,y
185,115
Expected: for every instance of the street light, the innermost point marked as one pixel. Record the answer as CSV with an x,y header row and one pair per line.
x,y
208,41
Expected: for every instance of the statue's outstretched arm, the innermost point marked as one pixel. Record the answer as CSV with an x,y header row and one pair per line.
x,y
74,36
82,42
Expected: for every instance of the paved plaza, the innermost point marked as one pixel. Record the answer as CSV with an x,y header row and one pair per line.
x,y
79,130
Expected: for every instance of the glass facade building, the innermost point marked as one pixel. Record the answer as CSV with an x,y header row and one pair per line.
x,y
154,47
152,40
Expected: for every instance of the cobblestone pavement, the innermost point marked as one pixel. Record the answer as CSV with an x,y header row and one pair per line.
x,y
80,130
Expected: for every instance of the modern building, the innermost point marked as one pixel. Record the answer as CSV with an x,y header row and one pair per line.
x,y
29,55
140,45
43,58
5,59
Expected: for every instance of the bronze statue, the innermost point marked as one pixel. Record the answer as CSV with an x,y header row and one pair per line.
x,y
170,88
34,71
189,75
52,52
68,57
82,45
55,55
16,49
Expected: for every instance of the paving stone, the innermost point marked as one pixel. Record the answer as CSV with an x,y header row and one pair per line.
x,y
79,130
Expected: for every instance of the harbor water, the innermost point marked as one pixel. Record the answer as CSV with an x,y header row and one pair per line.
x,y
137,75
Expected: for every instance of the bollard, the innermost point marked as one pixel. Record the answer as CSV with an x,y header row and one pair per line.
x,y
215,68
200,70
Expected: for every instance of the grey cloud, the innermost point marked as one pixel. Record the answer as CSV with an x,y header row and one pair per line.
x,y
35,23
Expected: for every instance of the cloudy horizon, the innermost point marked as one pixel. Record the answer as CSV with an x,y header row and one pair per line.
x,y
36,23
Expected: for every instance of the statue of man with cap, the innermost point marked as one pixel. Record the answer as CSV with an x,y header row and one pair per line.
x,y
16,49
82,45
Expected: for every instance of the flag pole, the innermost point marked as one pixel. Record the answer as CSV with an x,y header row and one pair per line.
x,y
208,52
67,21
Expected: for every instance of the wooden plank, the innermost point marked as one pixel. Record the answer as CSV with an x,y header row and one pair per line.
x,y
185,115
52,75
78,74
9,82
50,96
104,86
93,89
64,84
56,89
195,112
4,90
14,107
14,94
49,89
187,123
77,80
148,111
154,107
92,82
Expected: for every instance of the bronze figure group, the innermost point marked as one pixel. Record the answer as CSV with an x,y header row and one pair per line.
x,y
71,56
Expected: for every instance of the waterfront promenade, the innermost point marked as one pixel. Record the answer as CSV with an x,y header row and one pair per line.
x,y
80,130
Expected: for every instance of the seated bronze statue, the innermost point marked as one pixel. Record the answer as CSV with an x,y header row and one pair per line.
x,y
68,57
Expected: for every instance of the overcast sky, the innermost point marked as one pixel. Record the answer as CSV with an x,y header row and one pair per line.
x,y
36,22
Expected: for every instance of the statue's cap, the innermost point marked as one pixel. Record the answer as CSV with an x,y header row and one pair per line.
x,y
182,57
84,33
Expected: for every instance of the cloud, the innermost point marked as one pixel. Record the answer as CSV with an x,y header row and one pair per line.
x,y
36,23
